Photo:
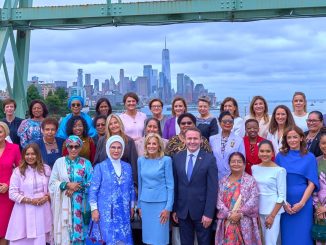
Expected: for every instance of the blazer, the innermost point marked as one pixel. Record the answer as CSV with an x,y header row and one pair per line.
x,y
234,143
314,147
155,181
197,196
169,128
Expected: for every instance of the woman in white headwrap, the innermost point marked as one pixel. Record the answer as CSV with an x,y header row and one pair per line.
x,y
111,195
68,186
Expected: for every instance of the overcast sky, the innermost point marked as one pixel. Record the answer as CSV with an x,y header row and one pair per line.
x,y
272,58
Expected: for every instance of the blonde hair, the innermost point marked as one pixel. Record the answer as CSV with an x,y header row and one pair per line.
x,y
5,128
150,136
122,128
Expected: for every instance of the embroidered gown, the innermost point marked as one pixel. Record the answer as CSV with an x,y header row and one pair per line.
x,y
112,195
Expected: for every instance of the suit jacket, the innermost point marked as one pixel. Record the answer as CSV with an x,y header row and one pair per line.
x,y
314,147
155,181
197,196
234,143
169,128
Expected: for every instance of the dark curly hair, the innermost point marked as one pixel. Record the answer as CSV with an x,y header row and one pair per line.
x,y
45,109
71,123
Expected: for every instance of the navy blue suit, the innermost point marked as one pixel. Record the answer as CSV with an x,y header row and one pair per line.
x,y
196,197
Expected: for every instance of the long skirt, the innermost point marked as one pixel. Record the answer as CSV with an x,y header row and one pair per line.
x,y
153,231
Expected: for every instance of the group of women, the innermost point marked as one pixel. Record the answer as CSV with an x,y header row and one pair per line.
x,y
83,178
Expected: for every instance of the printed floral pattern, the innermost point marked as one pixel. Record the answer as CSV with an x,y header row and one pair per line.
x,y
113,196
29,131
79,170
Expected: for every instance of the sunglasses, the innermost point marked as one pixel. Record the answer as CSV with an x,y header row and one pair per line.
x,y
75,105
100,124
225,121
71,147
186,123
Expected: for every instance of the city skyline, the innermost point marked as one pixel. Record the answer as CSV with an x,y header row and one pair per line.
x,y
273,58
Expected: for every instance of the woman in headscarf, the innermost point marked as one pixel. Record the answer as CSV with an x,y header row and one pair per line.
x,y
68,186
76,103
112,195
114,126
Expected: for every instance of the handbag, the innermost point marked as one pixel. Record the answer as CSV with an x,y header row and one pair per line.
x,y
91,240
318,231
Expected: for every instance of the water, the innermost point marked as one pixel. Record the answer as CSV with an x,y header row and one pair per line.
x,y
313,105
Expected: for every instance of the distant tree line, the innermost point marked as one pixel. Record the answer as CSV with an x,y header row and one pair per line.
x,y
56,102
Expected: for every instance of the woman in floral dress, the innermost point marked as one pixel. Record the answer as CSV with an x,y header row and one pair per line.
x,y
69,184
237,206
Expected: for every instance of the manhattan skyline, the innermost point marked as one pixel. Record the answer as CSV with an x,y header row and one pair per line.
x,y
272,58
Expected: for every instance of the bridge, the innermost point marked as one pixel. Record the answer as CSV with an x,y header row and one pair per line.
x,y
18,18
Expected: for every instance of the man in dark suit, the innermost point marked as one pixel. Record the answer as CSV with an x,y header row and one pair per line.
x,y
195,185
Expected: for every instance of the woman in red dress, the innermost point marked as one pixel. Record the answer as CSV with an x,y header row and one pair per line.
x,y
9,158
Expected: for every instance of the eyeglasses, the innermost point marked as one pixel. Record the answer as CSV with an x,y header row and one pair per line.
x,y
312,121
75,105
186,123
100,124
71,147
225,121
156,106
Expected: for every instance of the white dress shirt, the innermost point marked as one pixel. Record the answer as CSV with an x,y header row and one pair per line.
x,y
194,158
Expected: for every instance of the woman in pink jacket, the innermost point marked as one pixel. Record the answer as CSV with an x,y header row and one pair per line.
x,y
31,219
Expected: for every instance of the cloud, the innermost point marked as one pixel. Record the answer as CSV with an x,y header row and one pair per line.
x,y
273,58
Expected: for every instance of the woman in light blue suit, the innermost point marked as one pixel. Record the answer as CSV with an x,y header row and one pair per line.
x,y
225,143
155,191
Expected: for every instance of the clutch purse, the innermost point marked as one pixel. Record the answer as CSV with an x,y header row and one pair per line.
x,y
318,230
87,214
91,240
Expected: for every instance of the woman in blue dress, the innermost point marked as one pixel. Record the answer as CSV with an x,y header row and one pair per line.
x,y
112,195
155,191
302,180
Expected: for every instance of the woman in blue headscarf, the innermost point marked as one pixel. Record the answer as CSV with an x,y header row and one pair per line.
x,y
68,186
111,195
76,103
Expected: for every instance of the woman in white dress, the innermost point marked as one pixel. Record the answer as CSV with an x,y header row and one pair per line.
x,y
281,119
300,114
271,181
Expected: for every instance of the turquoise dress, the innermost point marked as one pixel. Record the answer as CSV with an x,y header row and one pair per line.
x,y
113,196
79,170
155,193
296,228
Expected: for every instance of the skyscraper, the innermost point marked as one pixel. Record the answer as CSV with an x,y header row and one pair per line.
x,y
96,85
166,73
87,79
148,72
80,78
180,84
